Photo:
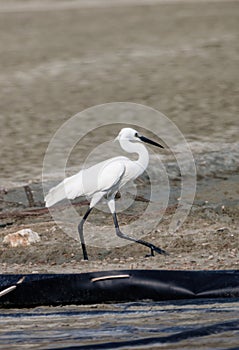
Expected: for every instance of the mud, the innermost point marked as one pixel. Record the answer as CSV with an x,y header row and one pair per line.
x,y
207,240
178,57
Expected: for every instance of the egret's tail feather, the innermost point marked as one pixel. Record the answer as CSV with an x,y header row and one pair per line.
x,y
70,188
56,194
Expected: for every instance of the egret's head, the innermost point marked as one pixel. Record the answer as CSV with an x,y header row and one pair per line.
x,y
133,135
127,134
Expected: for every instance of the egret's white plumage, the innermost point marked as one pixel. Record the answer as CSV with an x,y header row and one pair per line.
x,y
105,179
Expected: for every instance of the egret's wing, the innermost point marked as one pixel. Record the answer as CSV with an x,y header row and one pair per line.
x,y
108,181
110,176
99,177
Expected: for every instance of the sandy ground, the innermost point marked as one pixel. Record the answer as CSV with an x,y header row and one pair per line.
x,y
207,240
180,58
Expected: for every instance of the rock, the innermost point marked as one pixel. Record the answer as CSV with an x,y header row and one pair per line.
x,y
223,230
21,238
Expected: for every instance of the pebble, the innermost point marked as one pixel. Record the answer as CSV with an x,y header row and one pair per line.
x,y
223,230
130,258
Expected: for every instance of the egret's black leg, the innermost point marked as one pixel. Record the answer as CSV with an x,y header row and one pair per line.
x,y
120,234
80,230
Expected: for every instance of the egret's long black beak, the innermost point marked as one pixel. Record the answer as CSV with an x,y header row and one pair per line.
x,y
145,139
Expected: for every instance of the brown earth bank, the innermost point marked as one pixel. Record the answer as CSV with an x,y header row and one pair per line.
x,y
207,240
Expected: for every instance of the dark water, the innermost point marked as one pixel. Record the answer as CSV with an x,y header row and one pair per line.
x,y
203,324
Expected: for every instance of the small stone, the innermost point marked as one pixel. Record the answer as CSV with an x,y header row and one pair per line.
x,y
223,230
22,238
130,258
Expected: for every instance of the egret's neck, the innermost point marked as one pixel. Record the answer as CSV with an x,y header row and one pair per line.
x,y
140,149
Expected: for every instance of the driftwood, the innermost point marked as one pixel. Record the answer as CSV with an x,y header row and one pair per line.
x,y
21,213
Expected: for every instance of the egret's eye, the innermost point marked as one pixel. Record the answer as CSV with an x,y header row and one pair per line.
x,y
136,135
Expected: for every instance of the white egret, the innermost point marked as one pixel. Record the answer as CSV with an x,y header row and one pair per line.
x,y
104,180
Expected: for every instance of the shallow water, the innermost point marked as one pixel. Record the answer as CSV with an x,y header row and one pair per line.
x,y
203,324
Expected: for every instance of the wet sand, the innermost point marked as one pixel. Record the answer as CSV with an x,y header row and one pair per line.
x,y
180,58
